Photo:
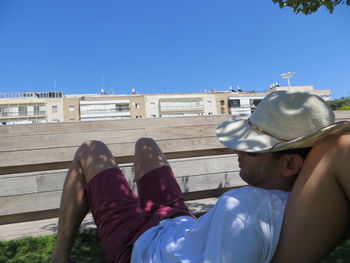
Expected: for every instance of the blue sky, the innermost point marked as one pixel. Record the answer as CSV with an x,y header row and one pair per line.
x,y
170,46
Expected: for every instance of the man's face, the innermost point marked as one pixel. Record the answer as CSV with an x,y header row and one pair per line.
x,y
260,170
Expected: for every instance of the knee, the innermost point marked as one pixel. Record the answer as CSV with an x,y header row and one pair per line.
x,y
144,143
90,146
88,149
93,156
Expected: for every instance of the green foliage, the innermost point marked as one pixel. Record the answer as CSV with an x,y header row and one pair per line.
x,y
340,104
339,255
29,250
87,248
310,6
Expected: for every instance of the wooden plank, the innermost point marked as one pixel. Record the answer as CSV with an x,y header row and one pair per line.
x,y
43,142
18,185
60,157
77,127
30,216
53,181
4,171
29,202
118,136
342,115
209,181
205,165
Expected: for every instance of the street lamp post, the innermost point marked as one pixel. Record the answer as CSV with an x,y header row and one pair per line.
x,y
287,76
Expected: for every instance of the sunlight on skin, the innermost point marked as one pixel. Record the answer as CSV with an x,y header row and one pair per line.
x,y
88,161
147,157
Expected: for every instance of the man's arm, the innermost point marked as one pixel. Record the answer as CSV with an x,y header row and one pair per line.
x,y
317,213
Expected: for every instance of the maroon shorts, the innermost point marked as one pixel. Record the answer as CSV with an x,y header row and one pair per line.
x,y
121,217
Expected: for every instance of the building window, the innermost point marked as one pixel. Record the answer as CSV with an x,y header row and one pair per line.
x,y
138,116
234,103
55,120
71,119
152,105
222,102
153,115
22,110
122,107
54,109
36,110
71,108
137,105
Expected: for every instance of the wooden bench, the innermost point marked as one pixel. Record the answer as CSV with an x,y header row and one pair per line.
x,y
34,159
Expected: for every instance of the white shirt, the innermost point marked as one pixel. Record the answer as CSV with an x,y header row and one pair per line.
x,y
244,226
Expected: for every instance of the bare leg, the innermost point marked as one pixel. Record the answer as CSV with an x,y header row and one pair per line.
x,y
91,158
317,214
148,157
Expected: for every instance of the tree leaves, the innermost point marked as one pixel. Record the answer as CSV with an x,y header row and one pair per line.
x,y
308,7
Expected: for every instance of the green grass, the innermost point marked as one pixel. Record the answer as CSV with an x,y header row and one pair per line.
x,y
339,255
88,249
344,108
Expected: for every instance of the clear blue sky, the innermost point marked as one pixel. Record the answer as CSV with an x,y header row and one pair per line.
x,y
169,46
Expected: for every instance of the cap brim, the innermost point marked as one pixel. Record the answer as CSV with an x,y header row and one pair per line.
x,y
240,136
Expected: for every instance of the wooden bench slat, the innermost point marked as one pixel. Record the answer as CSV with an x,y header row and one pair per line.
x,y
96,126
60,157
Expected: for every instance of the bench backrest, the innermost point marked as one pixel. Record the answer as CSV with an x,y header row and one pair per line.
x,y
34,159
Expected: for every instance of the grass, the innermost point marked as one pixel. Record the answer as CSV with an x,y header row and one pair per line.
x,y
344,108
88,249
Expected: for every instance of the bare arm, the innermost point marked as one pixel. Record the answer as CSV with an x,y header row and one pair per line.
x,y
317,213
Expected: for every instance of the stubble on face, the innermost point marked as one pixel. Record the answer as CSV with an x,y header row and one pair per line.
x,y
260,171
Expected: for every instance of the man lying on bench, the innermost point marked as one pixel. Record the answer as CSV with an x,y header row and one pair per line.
x,y
245,224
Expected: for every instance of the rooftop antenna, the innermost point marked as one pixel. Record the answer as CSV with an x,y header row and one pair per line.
x,y
103,83
287,76
54,81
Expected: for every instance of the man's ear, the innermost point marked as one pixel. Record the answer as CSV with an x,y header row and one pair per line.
x,y
292,164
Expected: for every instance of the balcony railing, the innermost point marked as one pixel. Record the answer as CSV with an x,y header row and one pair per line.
x,y
22,114
182,108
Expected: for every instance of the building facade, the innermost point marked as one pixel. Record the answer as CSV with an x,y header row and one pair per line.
x,y
43,107
31,107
